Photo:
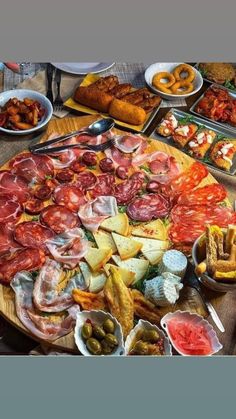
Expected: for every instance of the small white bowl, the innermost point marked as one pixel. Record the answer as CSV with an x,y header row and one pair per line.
x,y
144,324
206,280
195,319
31,94
98,317
169,67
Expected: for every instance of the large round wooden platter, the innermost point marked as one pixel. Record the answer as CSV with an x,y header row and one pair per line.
x,y
66,343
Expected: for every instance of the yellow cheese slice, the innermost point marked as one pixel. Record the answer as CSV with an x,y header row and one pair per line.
x,y
96,281
127,247
126,275
153,230
118,224
97,258
138,266
153,249
104,240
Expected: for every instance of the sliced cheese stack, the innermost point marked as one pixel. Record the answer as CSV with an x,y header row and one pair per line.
x,y
162,291
174,262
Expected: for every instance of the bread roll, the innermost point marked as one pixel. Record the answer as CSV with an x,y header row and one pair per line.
x,y
127,112
93,98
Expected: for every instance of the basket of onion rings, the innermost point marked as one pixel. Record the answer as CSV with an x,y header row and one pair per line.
x,y
171,80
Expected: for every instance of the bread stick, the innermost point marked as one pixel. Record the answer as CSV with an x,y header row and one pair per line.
x,y
232,256
201,268
226,276
224,266
230,236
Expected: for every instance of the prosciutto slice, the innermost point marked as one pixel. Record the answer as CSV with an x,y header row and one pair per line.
x,y
95,212
130,143
118,158
40,326
45,294
69,247
7,242
14,185
34,168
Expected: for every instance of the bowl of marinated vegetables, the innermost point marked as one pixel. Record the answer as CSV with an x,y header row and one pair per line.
x,y
98,333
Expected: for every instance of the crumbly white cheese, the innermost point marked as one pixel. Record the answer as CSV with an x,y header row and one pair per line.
x,y
162,291
174,262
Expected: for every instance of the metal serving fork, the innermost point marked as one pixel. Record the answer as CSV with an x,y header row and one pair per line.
x,y
58,102
82,146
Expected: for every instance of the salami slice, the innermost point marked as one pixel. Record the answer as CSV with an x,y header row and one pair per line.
x,y
59,218
126,191
104,186
11,210
7,242
200,215
15,185
77,166
122,172
33,206
86,180
32,167
148,207
207,195
106,165
42,192
89,158
187,180
32,234
21,260
185,235
65,175
70,196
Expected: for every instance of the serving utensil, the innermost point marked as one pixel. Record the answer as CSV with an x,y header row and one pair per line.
x,y
58,102
96,128
49,74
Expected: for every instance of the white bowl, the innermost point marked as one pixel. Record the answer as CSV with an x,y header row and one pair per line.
x,y
98,317
31,94
169,67
144,324
206,279
195,319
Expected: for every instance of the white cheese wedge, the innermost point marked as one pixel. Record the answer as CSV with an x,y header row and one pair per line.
x,y
162,292
127,276
153,249
118,224
153,230
174,262
138,266
96,281
127,247
104,239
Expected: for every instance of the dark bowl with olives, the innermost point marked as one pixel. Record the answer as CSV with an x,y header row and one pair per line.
x,y
98,333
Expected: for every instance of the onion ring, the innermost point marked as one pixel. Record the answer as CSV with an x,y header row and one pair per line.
x,y
156,81
184,68
186,86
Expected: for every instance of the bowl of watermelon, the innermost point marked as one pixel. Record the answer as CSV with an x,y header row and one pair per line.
x,y
190,334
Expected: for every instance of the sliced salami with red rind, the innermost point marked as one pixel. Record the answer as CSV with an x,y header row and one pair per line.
x,y
34,206
207,195
42,192
86,180
89,158
124,192
106,165
15,185
7,242
70,196
153,186
32,234
21,260
122,172
148,207
59,218
65,175
32,167
77,166
187,180
11,210
200,215
104,186
185,235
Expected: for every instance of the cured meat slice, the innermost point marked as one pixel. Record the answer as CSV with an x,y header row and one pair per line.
x,y
118,158
33,206
200,215
104,186
23,259
187,180
32,234
78,166
59,218
126,191
181,235
164,174
86,180
64,160
70,196
42,192
46,296
148,207
106,165
130,143
65,175
7,242
122,172
32,167
15,185
69,247
43,327
207,195
95,212
11,210
89,158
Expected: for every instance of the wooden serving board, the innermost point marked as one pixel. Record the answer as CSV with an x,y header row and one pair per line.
x,y
188,298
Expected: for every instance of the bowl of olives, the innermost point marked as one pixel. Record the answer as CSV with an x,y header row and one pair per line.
x,y
147,339
98,333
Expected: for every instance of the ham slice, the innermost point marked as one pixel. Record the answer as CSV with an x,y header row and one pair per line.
x,y
7,242
32,167
163,166
69,247
130,143
95,212
14,185
40,326
45,294
118,158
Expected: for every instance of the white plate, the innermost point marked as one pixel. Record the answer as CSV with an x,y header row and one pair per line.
x,y
83,68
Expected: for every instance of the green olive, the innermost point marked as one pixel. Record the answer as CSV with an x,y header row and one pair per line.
x,y
98,332
86,331
151,336
109,326
94,346
106,348
140,348
111,339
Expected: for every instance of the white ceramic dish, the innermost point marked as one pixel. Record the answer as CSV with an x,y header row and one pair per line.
x,y
143,324
195,319
209,282
83,68
98,317
31,94
169,67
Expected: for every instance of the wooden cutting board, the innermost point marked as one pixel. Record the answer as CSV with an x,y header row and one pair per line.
x,y
189,297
